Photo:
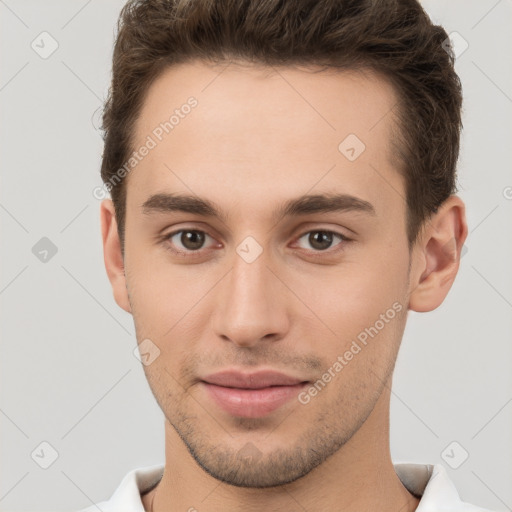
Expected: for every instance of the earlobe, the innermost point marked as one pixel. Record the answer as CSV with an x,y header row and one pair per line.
x,y
437,256
112,254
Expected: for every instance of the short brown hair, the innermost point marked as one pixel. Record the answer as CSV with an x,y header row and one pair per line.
x,y
395,38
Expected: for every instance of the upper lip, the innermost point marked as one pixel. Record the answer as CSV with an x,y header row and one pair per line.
x,y
255,380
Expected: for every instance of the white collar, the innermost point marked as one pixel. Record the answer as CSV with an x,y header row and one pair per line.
x,y
430,482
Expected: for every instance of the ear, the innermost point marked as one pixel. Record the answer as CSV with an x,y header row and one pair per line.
x,y
436,255
112,254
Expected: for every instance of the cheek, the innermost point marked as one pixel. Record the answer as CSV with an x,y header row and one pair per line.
x,y
359,316
168,302
155,284
351,298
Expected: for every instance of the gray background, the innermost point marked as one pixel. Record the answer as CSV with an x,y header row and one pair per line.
x,y
68,373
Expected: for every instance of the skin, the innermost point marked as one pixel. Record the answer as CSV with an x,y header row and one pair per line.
x,y
257,138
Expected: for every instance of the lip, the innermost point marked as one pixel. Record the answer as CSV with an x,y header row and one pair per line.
x,y
254,380
251,395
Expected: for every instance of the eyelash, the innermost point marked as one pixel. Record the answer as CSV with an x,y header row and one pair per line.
x,y
198,253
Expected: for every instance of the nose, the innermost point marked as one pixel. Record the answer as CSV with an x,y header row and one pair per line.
x,y
251,304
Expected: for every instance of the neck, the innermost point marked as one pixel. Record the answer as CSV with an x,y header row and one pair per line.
x,y
359,477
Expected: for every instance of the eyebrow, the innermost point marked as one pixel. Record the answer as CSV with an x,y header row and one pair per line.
x,y
303,205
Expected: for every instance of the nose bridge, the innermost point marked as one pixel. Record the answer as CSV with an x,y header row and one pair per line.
x,y
251,304
249,281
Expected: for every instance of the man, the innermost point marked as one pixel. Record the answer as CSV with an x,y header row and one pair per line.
x,y
282,177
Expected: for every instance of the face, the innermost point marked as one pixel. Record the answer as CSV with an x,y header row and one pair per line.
x,y
248,275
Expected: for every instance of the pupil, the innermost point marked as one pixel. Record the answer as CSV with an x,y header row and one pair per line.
x,y
192,240
327,239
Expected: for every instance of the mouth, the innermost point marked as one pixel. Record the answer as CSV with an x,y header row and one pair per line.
x,y
251,395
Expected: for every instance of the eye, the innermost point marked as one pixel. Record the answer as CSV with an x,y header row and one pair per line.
x,y
186,240
190,242
322,240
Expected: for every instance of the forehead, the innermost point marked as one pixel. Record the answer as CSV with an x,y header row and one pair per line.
x,y
271,131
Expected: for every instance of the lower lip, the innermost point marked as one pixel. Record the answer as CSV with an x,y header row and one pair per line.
x,y
252,403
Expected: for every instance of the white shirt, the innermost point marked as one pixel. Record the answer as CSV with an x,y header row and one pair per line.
x,y
431,482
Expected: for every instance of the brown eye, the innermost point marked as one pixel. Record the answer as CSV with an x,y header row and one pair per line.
x,y
321,240
187,240
192,240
